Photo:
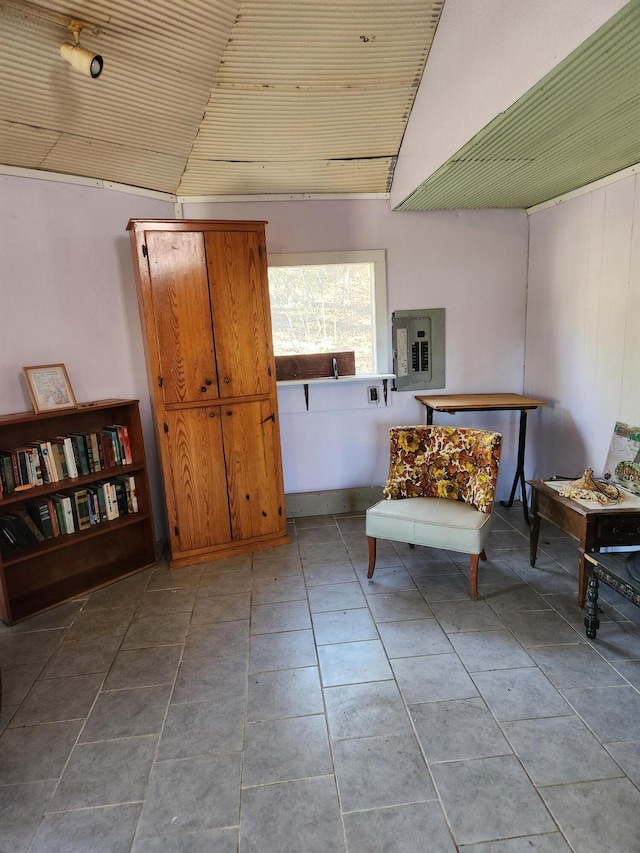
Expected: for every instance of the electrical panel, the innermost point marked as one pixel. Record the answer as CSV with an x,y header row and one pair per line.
x,y
418,349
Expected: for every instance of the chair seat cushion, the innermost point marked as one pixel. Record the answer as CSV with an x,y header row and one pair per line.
x,y
436,522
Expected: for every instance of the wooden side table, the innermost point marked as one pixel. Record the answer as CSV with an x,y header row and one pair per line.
x,y
594,527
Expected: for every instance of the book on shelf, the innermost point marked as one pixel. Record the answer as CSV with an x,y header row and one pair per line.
x,y
130,486
125,443
94,507
58,461
43,449
65,502
7,472
38,509
111,503
8,539
80,453
46,449
121,496
81,517
26,518
112,433
26,473
35,470
96,452
86,437
99,497
60,458
106,445
69,455
54,517
21,532
12,458
59,513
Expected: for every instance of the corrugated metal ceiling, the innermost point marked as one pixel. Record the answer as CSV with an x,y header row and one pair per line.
x,y
578,124
247,97
220,97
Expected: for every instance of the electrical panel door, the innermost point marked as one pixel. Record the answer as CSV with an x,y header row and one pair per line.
x,y
418,349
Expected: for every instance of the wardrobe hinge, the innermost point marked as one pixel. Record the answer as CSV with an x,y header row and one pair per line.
x,y
145,253
176,531
260,251
159,381
166,427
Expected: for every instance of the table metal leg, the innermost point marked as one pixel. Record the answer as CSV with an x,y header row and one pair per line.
x,y
519,477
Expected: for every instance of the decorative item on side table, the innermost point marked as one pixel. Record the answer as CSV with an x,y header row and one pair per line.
x,y
588,488
49,387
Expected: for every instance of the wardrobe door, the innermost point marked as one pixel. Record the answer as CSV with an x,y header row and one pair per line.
x,y
197,500
237,268
182,316
252,449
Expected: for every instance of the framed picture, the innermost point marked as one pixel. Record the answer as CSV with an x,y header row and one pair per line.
x,y
49,387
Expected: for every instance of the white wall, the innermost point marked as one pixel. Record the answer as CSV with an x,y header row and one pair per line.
x,y
68,294
472,263
583,346
486,54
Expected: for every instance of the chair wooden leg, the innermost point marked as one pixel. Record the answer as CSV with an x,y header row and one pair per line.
x,y
371,541
473,579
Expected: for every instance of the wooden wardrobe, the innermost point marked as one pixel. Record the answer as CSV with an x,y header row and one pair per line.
x,y
204,304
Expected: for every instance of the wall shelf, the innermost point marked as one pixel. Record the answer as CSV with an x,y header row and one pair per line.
x,y
330,380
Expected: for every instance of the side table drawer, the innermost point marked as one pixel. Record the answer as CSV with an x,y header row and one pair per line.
x,y
619,530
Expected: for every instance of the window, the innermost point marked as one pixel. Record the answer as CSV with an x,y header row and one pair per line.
x,y
331,302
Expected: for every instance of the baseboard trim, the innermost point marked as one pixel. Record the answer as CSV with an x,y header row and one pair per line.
x,y
334,501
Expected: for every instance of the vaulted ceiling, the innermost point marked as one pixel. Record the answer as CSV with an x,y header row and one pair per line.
x,y
278,97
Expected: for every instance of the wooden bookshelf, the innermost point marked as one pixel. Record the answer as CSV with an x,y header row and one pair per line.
x,y
69,565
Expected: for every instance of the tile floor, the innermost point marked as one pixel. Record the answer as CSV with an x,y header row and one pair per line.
x,y
281,703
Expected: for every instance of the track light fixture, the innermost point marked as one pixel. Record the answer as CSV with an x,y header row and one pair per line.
x,y
80,57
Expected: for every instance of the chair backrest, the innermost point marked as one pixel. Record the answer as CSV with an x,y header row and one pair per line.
x,y
444,462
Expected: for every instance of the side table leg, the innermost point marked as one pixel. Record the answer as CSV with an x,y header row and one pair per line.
x,y
591,621
534,533
582,578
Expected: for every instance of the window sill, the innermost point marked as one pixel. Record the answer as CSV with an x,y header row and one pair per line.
x,y
328,380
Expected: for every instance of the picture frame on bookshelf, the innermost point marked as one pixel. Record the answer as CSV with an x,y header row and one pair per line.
x,y
49,388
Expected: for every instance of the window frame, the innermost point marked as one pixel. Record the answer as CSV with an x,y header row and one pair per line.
x,y
377,257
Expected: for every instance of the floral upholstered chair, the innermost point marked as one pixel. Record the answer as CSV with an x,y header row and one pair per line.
x,y
440,491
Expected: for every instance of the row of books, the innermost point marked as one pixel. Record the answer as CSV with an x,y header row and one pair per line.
x,y
64,457
67,512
